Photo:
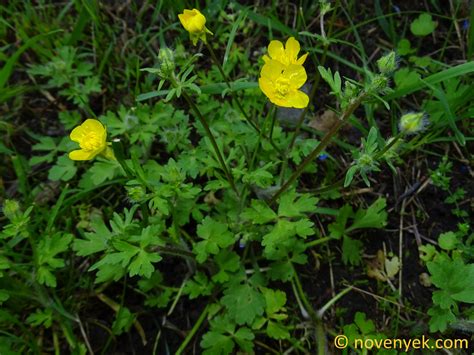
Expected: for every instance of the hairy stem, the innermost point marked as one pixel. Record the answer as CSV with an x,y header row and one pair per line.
x,y
209,134
321,146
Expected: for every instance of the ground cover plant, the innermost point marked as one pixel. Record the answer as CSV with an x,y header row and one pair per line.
x,y
220,177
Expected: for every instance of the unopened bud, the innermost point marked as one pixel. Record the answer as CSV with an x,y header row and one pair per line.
x,y
413,122
379,83
136,193
166,60
11,209
388,63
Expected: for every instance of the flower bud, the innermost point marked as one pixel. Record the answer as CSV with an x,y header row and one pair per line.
x,y
379,84
11,209
136,193
413,122
166,60
388,63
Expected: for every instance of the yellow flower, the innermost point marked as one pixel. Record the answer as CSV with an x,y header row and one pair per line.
x,y
286,55
92,138
194,22
280,84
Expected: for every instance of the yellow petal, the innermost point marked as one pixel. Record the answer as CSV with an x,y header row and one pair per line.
x,y
275,50
272,69
82,155
292,49
77,134
92,125
296,74
266,58
184,20
191,13
297,99
266,86
302,59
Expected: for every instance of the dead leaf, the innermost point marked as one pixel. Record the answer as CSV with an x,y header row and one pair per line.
x,y
325,121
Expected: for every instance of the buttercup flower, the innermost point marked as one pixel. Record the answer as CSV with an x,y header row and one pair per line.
x,y
194,22
280,84
286,55
413,122
92,139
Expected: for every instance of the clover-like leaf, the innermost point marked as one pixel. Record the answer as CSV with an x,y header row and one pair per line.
x,y
423,25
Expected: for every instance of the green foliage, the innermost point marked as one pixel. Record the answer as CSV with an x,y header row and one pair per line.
x,y
75,77
455,281
224,223
243,302
423,25
216,236
224,335
374,216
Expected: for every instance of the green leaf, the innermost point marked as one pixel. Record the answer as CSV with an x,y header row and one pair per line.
x,y
351,251
275,301
222,337
95,241
243,303
277,330
216,236
10,63
142,264
228,262
405,78
334,82
63,170
366,326
338,228
104,170
404,47
374,217
448,240
452,72
198,286
45,277
291,206
123,321
440,318
41,318
259,213
216,343
244,337
423,25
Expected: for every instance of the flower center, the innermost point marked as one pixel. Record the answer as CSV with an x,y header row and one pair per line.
x,y
91,142
282,87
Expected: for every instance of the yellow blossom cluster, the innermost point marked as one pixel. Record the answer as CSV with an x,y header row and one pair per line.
x,y
281,78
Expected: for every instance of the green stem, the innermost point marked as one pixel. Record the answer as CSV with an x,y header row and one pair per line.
x,y
119,153
321,146
388,146
203,121
333,300
318,241
317,321
239,105
176,252
193,331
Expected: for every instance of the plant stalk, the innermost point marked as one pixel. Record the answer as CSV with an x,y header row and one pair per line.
x,y
321,146
193,331
203,121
